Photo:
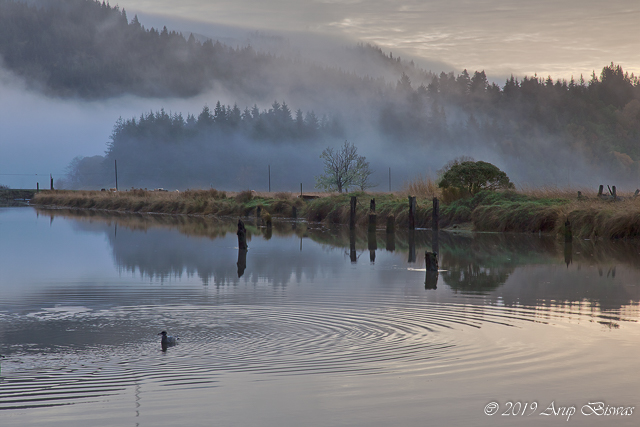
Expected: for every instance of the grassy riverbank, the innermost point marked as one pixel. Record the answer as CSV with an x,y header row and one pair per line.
x,y
11,197
511,211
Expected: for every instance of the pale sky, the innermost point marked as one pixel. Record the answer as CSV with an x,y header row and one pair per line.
x,y
560,38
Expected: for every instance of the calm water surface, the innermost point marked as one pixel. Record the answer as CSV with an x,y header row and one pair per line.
x,y
312,326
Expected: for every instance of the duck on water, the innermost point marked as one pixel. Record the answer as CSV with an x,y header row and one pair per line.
x,y
167,340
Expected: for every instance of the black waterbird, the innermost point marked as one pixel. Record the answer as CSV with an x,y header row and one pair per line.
x,y
167,340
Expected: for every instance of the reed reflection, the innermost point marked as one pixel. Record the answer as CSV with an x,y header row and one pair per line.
x,y
469,263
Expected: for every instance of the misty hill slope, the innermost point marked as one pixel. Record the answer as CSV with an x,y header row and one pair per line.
x,y
91,50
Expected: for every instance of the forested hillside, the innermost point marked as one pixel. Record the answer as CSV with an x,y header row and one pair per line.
x,y
92,50
539,130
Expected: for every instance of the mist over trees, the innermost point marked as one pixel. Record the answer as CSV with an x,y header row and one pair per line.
x,y
91,50
538,130
219,146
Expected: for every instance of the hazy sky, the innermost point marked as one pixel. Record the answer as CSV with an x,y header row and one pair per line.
x,y
548,37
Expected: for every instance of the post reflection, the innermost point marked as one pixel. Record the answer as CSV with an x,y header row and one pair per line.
x,y
372,245
242,261
352,246
412,246
160,247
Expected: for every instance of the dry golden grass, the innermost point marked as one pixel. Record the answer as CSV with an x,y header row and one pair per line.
x,y
553,192
421,186
546,210
596,218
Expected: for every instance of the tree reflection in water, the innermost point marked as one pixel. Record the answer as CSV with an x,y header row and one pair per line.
x,y
474,263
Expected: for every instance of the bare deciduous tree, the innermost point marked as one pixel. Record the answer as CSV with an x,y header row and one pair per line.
x,y
344,168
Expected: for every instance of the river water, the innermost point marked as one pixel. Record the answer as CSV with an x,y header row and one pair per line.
x,y
312,326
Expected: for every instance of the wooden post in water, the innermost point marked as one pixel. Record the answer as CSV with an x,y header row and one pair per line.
x,y
431,265
372,223
391,224
51,176
613,193
391,242
431,261
37,187
258,214
372,216
242,236
568,236
352,213
435,214
412,213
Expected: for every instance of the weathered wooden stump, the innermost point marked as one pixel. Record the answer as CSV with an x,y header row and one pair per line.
x,y
372,206
431,261
372,223
600,190
242,235
391,224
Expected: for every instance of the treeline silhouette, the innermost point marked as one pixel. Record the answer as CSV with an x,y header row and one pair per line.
x,y
598,120
165,149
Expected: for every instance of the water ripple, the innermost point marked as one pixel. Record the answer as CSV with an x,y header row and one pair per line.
x,y
287,338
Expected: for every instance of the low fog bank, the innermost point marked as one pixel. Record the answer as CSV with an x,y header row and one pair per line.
x,y
40,136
